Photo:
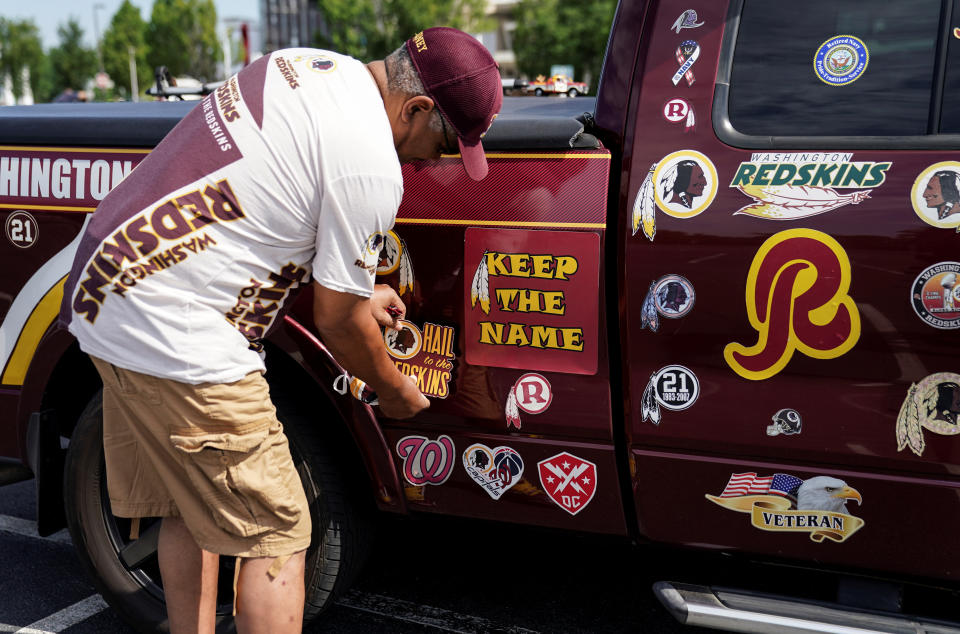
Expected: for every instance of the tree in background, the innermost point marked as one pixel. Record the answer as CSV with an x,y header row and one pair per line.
x,y
126,29
562,32
71,63
20,46
371,29
182,35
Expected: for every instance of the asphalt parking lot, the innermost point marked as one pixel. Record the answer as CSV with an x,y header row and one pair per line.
x,y
424,576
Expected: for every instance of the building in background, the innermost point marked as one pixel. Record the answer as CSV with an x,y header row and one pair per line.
x,y
499,41
288,23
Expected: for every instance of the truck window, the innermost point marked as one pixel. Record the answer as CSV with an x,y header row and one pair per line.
x,y
877,64
950,117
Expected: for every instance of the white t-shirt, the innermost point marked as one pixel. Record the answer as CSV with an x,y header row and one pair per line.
x,y
287,172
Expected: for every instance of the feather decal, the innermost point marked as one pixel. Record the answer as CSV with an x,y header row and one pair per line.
x,y
644,207
649,408
649,317
902,418
790,202
406,269
691,120
511,411
480,288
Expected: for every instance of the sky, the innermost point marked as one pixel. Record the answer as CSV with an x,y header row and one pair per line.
x,y
49,14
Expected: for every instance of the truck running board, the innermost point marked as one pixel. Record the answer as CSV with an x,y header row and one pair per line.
x,y
742,611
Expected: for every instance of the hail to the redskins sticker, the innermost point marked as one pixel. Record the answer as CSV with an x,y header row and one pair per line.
x,y
841,60
22,229
936,195
673,387
936,295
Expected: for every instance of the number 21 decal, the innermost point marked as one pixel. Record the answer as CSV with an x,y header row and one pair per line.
x,y
21,229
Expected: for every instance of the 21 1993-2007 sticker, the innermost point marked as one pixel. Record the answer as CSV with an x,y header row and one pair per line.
x,y
22,229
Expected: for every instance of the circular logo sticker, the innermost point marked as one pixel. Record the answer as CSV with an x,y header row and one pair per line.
x,y
936,295
685,183
22,229
841,60
673,296
404,343
936,195
675,387
390,251
533,393
676,110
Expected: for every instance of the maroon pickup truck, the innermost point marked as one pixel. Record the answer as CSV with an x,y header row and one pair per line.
x,y
718,310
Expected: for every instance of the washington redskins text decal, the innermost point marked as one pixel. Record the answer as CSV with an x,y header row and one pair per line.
x,y
797,300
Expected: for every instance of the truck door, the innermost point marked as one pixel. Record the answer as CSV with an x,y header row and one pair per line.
x,y
791,283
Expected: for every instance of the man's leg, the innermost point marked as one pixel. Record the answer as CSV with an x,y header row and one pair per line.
x,y
265,605
189,579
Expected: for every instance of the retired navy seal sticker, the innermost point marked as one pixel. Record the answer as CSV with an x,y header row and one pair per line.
x,y
936,295
841,60
673,387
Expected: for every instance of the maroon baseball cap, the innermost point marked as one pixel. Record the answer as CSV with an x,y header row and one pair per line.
x,y
459,74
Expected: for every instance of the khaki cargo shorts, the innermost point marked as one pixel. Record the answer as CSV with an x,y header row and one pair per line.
x,y
213,454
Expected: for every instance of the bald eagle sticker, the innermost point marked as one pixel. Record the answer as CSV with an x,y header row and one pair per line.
x,y
785,503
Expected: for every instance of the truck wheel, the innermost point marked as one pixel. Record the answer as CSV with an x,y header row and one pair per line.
x,y
126,572
538,92
573,92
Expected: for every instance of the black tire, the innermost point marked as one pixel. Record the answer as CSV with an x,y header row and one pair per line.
x,y
573,92
538,91
136,592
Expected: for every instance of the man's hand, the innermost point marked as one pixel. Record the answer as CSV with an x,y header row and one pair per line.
x,y
387,307
350,332
405,402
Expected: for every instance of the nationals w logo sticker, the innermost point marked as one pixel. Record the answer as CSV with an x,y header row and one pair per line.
x,y
796,301
426,461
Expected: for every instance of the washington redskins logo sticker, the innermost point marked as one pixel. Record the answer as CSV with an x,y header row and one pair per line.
x,y
531,394
935,295
797,296
569,481
671,296
682,185
936,195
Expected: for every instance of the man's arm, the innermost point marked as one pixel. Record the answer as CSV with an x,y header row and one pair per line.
x,y
351,333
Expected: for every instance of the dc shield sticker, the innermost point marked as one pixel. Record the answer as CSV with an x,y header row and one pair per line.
x,y
569,481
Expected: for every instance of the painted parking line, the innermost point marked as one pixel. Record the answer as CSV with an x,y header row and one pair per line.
x,y
380,605
425,615
67,617
28,528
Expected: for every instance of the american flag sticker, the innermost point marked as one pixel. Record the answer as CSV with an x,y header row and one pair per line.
x,y
785,503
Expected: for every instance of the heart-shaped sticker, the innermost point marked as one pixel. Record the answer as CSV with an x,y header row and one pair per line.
x,y
495,470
